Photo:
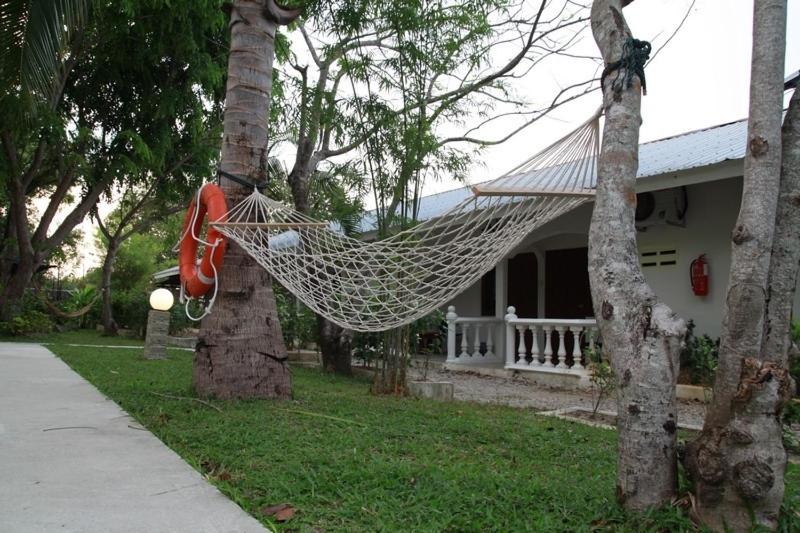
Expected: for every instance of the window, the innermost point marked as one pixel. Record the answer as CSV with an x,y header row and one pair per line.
x,y
662,256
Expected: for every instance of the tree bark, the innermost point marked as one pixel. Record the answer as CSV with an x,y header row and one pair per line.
x,y
390,378
738,462
110,326
34,247
14,290
240,351
641,335
785,259
335,342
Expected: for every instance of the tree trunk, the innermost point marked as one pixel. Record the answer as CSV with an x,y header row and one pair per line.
x,y
8,251
738,462
26,262
641,335
110,326
391,377
14,290
240,351
785,259
335,342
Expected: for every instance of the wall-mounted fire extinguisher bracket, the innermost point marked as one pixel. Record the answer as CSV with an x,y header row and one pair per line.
x,y
698,275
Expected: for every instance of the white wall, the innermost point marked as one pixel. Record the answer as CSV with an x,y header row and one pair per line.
x,y
468,303
713,208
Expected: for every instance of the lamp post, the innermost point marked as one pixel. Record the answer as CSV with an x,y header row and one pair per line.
x,y
155,341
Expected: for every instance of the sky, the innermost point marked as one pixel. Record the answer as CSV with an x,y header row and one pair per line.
x,y
700,79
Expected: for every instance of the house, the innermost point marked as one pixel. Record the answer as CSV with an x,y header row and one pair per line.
x,y
688,191
533,312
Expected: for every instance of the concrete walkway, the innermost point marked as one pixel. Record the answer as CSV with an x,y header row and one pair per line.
x,y
71,462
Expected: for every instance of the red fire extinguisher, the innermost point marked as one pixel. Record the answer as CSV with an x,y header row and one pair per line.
x,y
698,274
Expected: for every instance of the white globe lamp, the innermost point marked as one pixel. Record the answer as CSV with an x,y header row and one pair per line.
x,y
155,340
161,300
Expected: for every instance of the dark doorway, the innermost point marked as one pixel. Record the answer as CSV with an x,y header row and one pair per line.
x,y
567,293
488,293
566,285
523,285
523,290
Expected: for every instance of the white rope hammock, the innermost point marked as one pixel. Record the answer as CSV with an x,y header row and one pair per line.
x,y
374,286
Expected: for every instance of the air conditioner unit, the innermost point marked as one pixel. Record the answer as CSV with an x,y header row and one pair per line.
x,y
667,207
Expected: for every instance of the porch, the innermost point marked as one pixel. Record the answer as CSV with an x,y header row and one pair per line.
x,y
552,350
532,313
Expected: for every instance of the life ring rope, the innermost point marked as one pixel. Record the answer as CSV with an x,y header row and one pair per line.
x,y
190,230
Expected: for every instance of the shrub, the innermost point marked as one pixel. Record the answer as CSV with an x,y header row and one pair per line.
x,y
601,376
298,322
367,346
429,334
29,322
79,299
699,356
130,309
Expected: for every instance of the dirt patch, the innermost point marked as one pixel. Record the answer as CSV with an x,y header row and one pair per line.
x,y
518,391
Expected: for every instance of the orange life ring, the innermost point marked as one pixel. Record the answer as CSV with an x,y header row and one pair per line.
x,y
197,281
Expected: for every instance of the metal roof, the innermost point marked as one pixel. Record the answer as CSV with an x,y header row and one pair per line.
x,y
686,151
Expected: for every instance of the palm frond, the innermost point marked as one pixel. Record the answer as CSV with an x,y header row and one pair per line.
x,y
34,35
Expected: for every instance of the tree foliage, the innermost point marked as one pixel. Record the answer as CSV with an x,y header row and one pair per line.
x,y
34,35
139,97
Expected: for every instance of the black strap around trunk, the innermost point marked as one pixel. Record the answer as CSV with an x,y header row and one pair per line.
x,y
242,181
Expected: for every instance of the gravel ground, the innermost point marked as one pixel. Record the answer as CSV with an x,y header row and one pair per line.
x,y
519,392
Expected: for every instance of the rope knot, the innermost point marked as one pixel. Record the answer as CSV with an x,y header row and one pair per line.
x,y
635,54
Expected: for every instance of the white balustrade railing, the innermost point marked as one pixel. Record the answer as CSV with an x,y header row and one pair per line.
x,y
478,337
541,343
550,344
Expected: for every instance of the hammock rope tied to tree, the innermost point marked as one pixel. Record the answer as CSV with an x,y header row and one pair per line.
x,y
374,286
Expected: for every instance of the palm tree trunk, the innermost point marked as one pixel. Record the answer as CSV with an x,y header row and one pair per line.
x,y
240,351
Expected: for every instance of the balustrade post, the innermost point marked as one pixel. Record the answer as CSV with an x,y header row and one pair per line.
x,y
535,352
548,346
490,339
576,348
562,347
451,317
510,329
476,344
521,351
464,342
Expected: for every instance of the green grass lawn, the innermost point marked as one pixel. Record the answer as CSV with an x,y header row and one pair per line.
x,y
349,461
80,336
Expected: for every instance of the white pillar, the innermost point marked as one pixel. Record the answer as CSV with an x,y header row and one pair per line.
x,y
451,317
562,348
535,352
548,346
510,349
576,348
521,352
476,343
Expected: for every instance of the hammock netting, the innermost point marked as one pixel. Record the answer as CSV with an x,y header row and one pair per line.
x,y
377,285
